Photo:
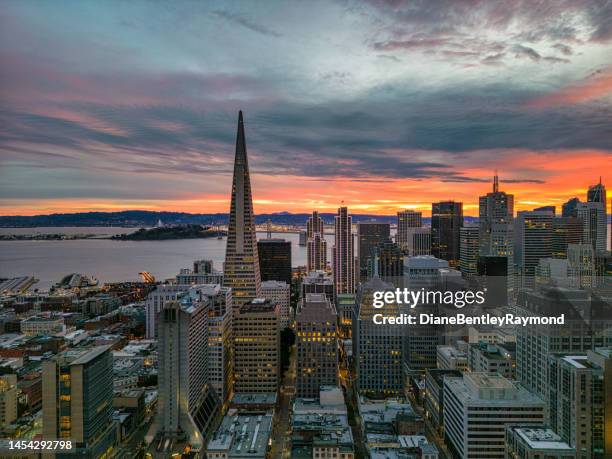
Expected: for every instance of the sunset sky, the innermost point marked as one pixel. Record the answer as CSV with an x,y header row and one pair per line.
x,y
384,105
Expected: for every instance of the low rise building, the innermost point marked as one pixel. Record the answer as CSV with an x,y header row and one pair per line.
x,y
320,427
43,325
452,357
493,358
241,435
536,442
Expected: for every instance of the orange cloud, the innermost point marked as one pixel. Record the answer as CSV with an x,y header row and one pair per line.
x,y
555,177
599,85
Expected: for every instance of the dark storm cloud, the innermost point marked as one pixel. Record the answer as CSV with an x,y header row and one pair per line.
x,y
382,134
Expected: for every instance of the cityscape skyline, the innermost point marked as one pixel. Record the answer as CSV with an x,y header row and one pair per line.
x,y
389,108
238,358
411,259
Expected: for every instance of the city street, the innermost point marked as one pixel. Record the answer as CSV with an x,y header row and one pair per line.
x,y
130,447
281,431
353,416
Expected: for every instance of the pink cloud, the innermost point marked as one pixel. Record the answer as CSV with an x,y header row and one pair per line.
x,y
597,86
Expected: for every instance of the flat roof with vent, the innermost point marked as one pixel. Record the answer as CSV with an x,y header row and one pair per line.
x,y
541,438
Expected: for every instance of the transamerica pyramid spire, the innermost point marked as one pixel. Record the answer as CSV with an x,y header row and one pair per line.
x,y
241,267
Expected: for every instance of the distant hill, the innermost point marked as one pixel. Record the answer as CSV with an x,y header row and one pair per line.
x,y
170,232
146,218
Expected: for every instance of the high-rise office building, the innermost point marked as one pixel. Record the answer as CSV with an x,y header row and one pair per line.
x,y
566,230
345,306
568,209
468,250
369,236
316,249
446,220
580,401
257,347
274,260
496,226
418,242
420,343
477,408
316,245
407,222
581,265
278,293
491,272
318,282
78,401
496,215
532,241
241,267
534,343
594,225
387,262
597,193
155,303
316,345
344,253
220,340
314,225
187,402
377,349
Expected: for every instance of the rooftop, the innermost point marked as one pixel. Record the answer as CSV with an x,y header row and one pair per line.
x,y
258,305
275,284
242,435
438,375
541,438
254,399
490,389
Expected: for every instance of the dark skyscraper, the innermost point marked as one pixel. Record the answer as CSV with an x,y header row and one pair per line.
x,y
275,259
241,268
569,208
370,235
496,216
597,193
446,220
566,230
408,222
388,262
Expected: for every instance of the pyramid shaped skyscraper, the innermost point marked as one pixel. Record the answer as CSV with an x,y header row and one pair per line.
x,y
241,267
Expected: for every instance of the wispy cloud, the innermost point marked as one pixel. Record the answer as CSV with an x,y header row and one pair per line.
x,y
248,23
